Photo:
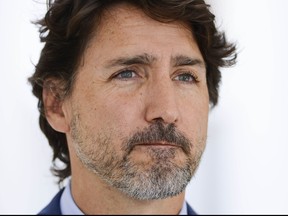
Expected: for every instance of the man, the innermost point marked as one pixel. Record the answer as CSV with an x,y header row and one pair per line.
x,y
124,90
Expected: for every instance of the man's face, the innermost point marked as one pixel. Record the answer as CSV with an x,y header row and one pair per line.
x,y
139,107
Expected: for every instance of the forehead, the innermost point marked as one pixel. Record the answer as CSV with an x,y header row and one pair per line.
x,y
122,17
125,30
125,11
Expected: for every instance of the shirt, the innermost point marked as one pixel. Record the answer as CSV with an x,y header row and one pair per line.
x,y
69,207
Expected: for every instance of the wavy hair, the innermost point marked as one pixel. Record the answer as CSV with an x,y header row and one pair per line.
x,y
67,28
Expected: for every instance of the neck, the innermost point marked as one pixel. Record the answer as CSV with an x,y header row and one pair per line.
x,y
94,196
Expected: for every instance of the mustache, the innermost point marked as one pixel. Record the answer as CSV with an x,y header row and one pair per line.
x,y
159,132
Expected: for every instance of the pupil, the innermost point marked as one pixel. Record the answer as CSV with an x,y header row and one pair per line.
x,y
126,74
184,77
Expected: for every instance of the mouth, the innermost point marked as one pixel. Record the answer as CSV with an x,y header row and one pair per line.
x,y
148,153
158,145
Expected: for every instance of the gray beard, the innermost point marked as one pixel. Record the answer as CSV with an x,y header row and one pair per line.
x,y
160,179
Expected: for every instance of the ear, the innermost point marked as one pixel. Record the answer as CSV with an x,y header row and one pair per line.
x,y
53,105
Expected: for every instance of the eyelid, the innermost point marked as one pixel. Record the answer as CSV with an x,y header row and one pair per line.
x,y
130,69
190,72
125,71
194,75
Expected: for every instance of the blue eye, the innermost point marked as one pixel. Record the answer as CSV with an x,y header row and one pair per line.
x,y
186,77
126,74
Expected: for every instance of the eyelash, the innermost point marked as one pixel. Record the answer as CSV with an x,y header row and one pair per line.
x,y
191,74
116,76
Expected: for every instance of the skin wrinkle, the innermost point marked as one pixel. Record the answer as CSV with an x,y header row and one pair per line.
x,y
117,125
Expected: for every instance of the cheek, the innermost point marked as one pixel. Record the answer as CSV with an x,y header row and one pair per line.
x,y
196,124
194,116
110,112
196,130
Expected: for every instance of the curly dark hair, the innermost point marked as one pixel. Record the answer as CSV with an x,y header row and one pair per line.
x,y
68,26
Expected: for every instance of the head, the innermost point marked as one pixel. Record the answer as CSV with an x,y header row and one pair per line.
x,y
124,89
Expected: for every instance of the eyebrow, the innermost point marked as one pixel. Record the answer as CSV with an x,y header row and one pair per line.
x,y
182,60
144,59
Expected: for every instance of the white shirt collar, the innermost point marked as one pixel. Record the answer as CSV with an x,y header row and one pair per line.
x,y
67,203
184,210
69,207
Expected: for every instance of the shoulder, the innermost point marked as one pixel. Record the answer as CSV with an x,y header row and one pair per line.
x,y
190,210
53,208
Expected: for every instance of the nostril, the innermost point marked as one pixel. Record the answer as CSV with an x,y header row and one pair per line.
x,y
159,119
165,117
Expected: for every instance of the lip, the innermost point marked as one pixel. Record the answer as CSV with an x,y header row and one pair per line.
x,y
158,144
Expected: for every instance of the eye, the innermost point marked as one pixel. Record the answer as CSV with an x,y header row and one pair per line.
x,y
125,74
186,77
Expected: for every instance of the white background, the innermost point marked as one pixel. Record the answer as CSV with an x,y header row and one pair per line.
x,y
245,166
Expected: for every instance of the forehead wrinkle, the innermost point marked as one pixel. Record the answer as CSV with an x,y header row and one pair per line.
x,y
144,59
115,29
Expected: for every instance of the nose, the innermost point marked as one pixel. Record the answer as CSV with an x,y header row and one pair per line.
x,y
161,102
